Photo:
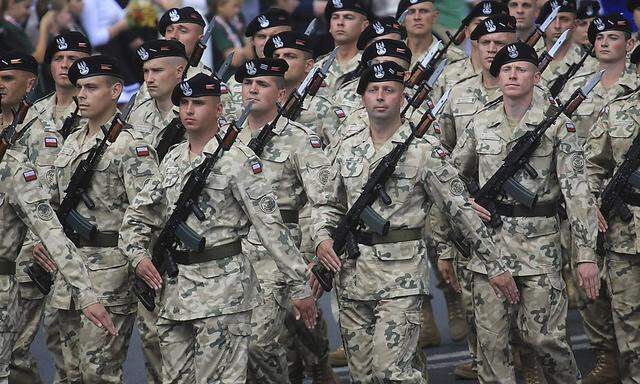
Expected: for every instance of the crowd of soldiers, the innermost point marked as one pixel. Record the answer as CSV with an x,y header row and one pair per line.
x,y
216,208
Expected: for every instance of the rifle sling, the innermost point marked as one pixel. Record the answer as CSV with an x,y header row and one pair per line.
x,y
540,210
100,240
7,268
397,236
215,253
289,216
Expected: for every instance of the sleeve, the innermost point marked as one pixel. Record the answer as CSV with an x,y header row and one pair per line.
x,y
326,217
139,164
446,126
439,231
598,153
463,156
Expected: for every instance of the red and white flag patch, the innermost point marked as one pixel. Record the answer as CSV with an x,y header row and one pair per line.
x,y
51,142
223,89
30,175
142,151
315,142
571,128
256,167
340,113
441,153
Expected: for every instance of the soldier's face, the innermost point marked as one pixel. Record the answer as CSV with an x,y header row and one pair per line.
x,y
260,38
421,18
97,95
264,92
580,32
162,75
14,84
489,45
525,13
517,79
186,33
383,100
60,63
299,64
19,10
564,21
199,114
612,46
346,26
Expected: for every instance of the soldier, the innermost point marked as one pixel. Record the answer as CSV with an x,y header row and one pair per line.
x,y
41,142
381,293
18,73
566,20
525,12
529,238
587,11
121,172
205,312
605,149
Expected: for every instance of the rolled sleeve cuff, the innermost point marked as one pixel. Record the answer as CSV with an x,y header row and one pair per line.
x,y
495,268
300,291
321,236
86,297
586,255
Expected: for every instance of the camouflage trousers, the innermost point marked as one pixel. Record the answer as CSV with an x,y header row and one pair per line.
x,y
23,368
91,351
9,313
212,350
540,317
465,278
54,343
150,344
267,352
623,278
380,339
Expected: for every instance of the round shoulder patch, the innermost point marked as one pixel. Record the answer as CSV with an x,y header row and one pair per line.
x,y
268,204
44,211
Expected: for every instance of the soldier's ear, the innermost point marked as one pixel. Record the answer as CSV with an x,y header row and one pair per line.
x,y
31,83
308,65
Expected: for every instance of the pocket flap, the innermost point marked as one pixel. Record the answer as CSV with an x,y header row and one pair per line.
x,y
489,145
622,130
106,260
351,167
405,172
240,329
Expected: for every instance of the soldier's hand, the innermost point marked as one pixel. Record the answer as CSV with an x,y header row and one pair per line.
x,y
327,256
100,317
314,283
602,222
148,272
505,285
305,308
589,279
480,210
41,256
448,274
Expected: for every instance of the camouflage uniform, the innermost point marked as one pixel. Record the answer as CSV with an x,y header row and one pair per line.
x,y
25,204
205,312
454,73
530,245
150,122
124,168
606,145
381,293
333,82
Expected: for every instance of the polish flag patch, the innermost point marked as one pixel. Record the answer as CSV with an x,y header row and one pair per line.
x,y
315,142
436,129
571,128
224,89
30,176
142,151
51,142
340,113
256,167
441,153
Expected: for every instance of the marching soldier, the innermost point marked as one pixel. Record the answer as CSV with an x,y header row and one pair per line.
x,y
18,75
587,11
529,238
380,294
205,311
55,117
566,20
525,12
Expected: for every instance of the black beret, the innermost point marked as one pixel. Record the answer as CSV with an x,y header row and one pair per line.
x,y
197,86
67,41
613,22
287,39
588,9
346,5
379,27
547,8
386,47
261,67
18,61
100,65
633,4
494,24
155,49
272,17
635,55
517,51
179,15
404,4
486,9
378,73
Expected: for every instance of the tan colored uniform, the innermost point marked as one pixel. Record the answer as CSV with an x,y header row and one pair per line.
x,y
333,82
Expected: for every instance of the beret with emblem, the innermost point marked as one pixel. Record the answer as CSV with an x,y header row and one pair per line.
x,y
494,24
67,41
613,22
155,49
100,65
380,27
272,17
386,47
197,86
378,73
261,67
547,8
486,9
287,39
588,9
633,4
346,5
179,16
19,61
404,4
511,53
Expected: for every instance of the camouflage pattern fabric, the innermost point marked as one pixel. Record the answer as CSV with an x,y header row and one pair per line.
x,y
333,81
23,366
150,122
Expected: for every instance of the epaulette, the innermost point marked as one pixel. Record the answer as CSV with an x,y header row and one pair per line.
x,y
245,150
352,130
465,79
45,97
491,104
350,76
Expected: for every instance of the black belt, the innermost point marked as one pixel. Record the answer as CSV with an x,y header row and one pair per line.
x,y
632,199
397,236
540,210
99,240
289,216
7,268
215,253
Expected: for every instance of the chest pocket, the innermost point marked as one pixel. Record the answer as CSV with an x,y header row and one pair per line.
x,y
489,145
215,194
621,133
585,109
106,176
402,183
49,150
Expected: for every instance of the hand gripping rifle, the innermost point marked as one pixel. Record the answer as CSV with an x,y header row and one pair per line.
x,y
361,213
176,231
7,136
538,32
70,121
72,222
502,181
561,81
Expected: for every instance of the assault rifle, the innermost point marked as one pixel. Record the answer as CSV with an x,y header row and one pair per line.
x,y
538,32
176,231
547,57
7,136
561,81
200,47
70,121
361,213
423,90
502,181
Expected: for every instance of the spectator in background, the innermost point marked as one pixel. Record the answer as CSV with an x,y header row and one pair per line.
x,y
227,36
14,13
54,16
